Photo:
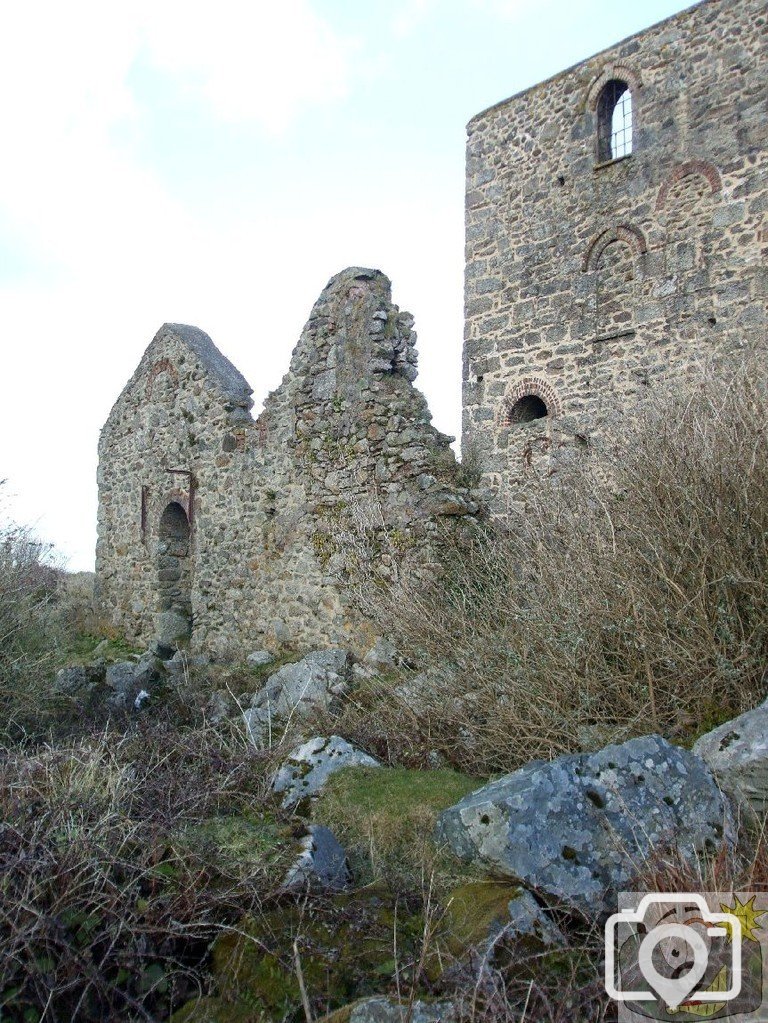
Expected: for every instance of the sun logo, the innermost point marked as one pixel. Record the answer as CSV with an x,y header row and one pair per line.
x,y
747,915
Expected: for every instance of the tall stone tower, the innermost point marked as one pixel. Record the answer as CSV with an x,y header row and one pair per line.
x,y
617,231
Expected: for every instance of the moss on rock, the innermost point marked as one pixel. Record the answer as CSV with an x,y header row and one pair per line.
x,y
345,946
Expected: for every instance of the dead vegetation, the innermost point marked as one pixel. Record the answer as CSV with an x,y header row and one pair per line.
x,y
629,597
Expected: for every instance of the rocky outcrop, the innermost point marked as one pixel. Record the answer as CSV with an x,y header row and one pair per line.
x,y
737,754
578,829
310,765
129,679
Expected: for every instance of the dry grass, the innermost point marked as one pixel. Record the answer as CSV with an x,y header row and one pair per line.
x,y
629,598
118,869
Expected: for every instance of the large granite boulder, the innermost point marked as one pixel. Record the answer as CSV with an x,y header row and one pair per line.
x,y
299,690
309,766
737,754
580,828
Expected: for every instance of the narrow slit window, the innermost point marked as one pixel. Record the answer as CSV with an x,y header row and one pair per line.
x,y
614,121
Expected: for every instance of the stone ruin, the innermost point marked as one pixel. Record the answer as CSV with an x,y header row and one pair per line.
x,y
616,238
227,532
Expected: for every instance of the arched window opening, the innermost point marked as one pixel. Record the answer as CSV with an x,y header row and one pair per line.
x,y
614,121
174,573
174,528
528,408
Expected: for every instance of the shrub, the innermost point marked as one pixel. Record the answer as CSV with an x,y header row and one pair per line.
x,y
29,586
121,858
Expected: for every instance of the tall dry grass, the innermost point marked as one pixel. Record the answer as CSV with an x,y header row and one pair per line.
x,y
629,597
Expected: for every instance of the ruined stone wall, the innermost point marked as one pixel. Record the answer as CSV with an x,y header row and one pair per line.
x,y
343,450
590,279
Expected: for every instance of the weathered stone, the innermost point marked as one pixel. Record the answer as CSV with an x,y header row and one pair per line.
x,y
310,765
737,754
481,914
258,658
528,920
173,628
78,680
246,526
382,1009
321,863
121,678
580,828
382,656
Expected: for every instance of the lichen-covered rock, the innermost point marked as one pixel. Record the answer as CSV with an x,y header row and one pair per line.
x,y
737,754
578,829
128,679
173,629
309,766
258,658
321,863
381,1009
298,689
528,920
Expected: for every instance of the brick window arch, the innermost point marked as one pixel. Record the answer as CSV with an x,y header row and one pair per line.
x,y
614,121
612,101
528,401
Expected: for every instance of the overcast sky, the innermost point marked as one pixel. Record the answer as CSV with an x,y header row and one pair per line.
x,y
215,164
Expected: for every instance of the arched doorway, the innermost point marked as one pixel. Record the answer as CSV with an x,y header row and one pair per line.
x,y
174,573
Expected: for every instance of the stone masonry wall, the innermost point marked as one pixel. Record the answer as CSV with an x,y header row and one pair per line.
x,y
588,281
343,448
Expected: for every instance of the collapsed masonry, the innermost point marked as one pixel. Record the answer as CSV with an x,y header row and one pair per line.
x,y
232,533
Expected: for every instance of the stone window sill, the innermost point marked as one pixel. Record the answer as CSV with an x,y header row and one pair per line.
x,y
610,163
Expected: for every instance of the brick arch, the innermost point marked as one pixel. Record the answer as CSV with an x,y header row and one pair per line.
x,y
627,233
610,72
536,386
701,168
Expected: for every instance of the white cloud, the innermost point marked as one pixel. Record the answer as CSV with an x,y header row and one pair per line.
x,y
507,10
411,14
249,61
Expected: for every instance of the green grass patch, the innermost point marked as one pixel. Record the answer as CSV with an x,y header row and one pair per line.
x,y
83,648
385,817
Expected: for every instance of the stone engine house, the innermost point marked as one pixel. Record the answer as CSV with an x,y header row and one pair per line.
x,y
616,234
230,531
